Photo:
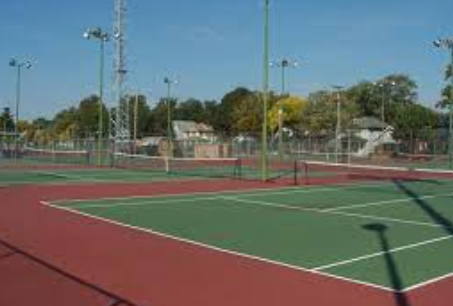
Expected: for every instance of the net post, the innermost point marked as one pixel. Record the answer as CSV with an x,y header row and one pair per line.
x,y
296,174
239,168
167,165
306,174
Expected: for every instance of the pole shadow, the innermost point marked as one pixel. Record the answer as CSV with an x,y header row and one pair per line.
x,y
395,277
437,217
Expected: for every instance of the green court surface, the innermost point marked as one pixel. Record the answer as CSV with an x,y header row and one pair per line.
x,y
393,235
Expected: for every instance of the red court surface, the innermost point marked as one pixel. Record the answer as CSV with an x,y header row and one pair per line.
x,y
97,259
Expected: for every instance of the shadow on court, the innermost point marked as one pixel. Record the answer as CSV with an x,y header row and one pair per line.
x,y
394,275
436,216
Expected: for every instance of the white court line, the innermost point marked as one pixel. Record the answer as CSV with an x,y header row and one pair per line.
x,y
362,216
162,196
149,203
378,254
242,193
165,199
408,199
429,282
256,202
218,249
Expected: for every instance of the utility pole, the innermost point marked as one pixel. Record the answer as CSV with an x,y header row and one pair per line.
x,y
169,82
448,44
283,65
102,37
135,122
18,66
338,128
264,157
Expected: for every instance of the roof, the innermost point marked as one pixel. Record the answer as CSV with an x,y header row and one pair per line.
x,y
192,127
369,123
151,141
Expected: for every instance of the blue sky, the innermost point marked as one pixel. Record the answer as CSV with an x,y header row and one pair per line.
x,y
212,46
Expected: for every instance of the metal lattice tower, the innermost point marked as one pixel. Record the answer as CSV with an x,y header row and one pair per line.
x,y
121,121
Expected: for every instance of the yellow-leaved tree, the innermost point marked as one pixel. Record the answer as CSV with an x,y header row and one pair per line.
x,y
292,110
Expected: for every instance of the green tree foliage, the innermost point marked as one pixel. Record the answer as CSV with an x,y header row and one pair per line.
x,y
320,115
413,120
230,109
6,120
404,90
143,113
247,115
241,111
65,124
447,97
192,110
88,118
157,119
393,89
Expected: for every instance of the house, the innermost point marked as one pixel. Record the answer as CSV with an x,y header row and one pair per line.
x,y
154,146
193,131
373,136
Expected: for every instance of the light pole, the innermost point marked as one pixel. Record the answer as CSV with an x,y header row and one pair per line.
x,y
135,122
338,89
448,44
18,66
169,83
102,37
264,157
387,96
283,65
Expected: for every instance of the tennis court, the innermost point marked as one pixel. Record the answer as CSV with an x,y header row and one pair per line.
x,y
394,235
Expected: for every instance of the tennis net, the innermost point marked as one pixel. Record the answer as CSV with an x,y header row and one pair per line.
x,y
203,167
324,171
55,156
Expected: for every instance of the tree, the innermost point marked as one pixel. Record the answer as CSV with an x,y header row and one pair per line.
x,y
368,97
157,119
247,114
411,120
65,124
88,118
400,88
6,120
230,110
320,115
447,97
192,110
292,107
391,90
143,113
212,113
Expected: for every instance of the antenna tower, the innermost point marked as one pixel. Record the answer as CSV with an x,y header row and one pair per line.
x,y
121,120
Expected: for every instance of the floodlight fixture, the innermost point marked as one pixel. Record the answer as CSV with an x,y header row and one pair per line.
x,y
444,43
15,63
96,33
170,81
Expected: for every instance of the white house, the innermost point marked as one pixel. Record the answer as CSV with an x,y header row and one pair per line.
x,y
375,134
193,131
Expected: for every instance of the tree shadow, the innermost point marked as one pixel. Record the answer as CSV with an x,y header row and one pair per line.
x,y
437,217
394,275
